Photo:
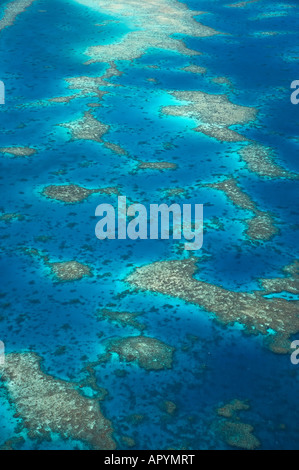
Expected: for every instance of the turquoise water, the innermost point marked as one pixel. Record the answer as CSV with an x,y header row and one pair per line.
x,y
46,45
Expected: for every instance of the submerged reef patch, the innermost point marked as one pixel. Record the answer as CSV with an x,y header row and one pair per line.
x,y
152,25
148,353
230,409
121,318
128,441
156,166
237,434
86,128
63,271
89,128
256,313
284,284
18,151
69,270
261,226
169,407
221,81
89,85
10,216
232,430
214,112
259,159
50,405
12,10
175,192
72,193
195,69
242,4
13,443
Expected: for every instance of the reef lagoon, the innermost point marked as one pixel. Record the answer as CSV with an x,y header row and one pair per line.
x,y
122,344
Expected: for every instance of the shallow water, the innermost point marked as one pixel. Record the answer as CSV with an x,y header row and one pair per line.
x,y
38,52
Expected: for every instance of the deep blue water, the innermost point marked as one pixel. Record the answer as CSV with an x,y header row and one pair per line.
x,y
37,53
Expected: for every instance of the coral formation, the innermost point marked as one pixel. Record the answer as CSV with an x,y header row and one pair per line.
x,y
18,151
49,405
260,160
149,353
214,112
72,193
256,313
261,226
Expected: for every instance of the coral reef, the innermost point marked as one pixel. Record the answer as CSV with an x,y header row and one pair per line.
x,y
260,160
69,270
49,405
284,284
149,353
18,151
62,271
89,85
87,128
256,313
122,318
195,69
12,10
215,113
239,435
261,226
232,430
90,128
169,407
72,193
231,409
9,216
156,166
152,25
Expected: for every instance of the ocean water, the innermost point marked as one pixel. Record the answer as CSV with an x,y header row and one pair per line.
x,y
58,320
